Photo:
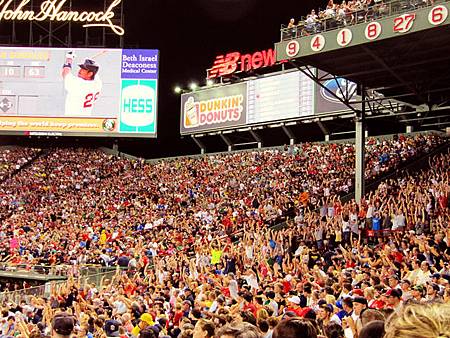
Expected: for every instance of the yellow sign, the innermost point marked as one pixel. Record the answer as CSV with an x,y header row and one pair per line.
x,y
55,124
53,10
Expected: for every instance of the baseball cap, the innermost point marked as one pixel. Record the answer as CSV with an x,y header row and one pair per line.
x,y
270,294
360,300
89,65
393,293
147,318
63,323
294,299
358,292
418,288
436,275
321,302
112,328
435,287
328,307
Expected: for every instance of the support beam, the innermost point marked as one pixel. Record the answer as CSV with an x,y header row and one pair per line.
x,y
227,141
325,130
289,134
384,65
360,140
256,137
307,71
200,144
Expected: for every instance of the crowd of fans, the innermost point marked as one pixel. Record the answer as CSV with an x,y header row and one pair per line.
x,y
347,13
202,260
14,159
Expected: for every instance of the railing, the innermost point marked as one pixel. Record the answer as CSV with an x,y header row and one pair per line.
x,y
330,20
26,294
88,275
55,270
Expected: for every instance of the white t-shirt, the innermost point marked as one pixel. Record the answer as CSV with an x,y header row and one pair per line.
x,y
81,95
346,226
399,221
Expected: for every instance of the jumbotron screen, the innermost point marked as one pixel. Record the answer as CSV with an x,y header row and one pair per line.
x,y
78,92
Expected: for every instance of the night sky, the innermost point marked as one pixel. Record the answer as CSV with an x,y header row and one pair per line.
x,y
189,35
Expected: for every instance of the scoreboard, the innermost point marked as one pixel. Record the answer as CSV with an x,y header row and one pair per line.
x,y
43,92
278,97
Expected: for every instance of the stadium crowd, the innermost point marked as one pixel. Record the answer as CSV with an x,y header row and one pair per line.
x,y
14,159
201,259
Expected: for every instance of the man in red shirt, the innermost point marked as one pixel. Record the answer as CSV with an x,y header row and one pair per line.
x,y
293,305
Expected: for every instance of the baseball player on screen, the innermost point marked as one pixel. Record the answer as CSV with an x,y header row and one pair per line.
x,y
82,90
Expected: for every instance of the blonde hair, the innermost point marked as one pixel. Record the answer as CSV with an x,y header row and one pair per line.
x,y
370,291
262,314
420,321
330,299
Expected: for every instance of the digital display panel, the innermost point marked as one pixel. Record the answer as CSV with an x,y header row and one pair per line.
x,y
79,92
278,97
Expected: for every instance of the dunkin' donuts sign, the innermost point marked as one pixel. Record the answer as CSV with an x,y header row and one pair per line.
x,y
214,108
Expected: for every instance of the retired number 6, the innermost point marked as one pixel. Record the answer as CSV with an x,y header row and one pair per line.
x,y
438,15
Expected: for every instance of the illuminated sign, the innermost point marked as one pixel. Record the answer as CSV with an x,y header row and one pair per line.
x,y
216,108
237,62
53,10
79,92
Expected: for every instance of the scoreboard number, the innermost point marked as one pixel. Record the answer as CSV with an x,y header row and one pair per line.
x,y
373,30
292,48
34,71
344,37
317,43
10,71
404,23
438,15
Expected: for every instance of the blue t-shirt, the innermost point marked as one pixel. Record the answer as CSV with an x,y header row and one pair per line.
x,y
376,223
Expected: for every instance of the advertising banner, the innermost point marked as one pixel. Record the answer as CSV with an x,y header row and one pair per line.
x,y
286,96
215,108
91,92
327,100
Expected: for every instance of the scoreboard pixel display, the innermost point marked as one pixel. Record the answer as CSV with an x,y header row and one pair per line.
x,y
78,92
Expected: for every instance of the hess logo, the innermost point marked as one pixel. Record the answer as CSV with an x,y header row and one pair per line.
x,y
138,105
342,88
